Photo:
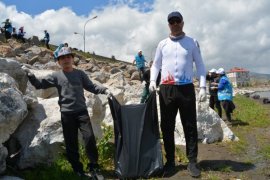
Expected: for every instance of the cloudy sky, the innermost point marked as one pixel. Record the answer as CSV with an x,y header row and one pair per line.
x,y
231,33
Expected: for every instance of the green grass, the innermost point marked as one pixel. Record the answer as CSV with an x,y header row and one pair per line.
x,y
250,112
265,151
240,146
250,116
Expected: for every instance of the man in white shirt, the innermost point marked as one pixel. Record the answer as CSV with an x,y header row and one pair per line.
x,y
175,56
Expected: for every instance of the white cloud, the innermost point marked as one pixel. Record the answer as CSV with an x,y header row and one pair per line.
x,y
231,33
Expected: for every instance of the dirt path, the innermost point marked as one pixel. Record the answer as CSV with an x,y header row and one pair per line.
x,y
218,162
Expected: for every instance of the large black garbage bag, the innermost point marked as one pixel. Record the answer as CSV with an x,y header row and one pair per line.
x,y
138,149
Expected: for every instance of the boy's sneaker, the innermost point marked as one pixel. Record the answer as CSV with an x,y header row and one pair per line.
x,y
83,175
94,169
193,170
169,169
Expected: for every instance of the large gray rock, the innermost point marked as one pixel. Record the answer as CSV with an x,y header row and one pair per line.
x,y
211,128
44,134
13,109
34,41
13,69
3,156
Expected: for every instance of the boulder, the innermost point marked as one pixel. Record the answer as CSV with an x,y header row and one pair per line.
x,y
13,69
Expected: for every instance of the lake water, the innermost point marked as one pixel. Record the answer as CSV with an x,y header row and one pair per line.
x,y
263,94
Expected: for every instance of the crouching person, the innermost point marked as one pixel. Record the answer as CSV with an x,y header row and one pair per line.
x,y
70,83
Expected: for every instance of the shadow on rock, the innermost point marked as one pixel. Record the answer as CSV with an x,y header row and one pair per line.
x,y
225,165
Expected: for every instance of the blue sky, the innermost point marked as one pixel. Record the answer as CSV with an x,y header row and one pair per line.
x,y
231,33
80,7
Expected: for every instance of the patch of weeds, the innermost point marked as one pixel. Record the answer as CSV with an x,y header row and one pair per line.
x,y
180,155
243,176
58,170
240,146
106,148
210,176
265,151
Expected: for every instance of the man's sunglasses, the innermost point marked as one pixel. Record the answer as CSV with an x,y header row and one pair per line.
x,y
173,21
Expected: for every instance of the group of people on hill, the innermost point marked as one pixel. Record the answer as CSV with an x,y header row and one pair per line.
x,y
171,69
11,32
221,92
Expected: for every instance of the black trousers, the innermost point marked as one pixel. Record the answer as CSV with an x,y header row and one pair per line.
x,y
228,107
141,72
71,122
213,101
47,44
173,99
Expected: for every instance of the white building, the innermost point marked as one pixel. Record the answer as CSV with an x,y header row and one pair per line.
x,y
239,77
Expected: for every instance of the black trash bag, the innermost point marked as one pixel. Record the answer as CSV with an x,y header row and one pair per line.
x,y
138,151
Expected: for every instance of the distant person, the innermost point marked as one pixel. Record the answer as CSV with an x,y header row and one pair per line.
x,y
225,93
70,84
7,29
21,34
175,56
14,33
140,63
146,82
46,39
213,79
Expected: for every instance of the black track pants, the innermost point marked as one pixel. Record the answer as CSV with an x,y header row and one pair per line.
x,y
172,99
71,122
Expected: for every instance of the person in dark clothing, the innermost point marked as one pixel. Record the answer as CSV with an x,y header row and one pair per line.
x,y
8,29
46,39
21,34
146,82
70,84
14,33
213,100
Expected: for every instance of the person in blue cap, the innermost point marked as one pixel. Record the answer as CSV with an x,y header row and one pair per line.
x,y
70,84
175,56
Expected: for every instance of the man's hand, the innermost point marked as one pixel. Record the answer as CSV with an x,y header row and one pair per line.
x,y
108,93
27,71
152,86
202,94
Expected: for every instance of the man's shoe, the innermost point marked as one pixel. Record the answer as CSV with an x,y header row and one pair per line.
x,y
95,171
193,170
83,175
169,169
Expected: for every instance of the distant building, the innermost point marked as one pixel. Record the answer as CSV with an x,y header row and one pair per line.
x,y
239,77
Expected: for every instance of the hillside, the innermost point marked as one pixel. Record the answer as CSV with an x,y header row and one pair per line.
x,y
259,76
